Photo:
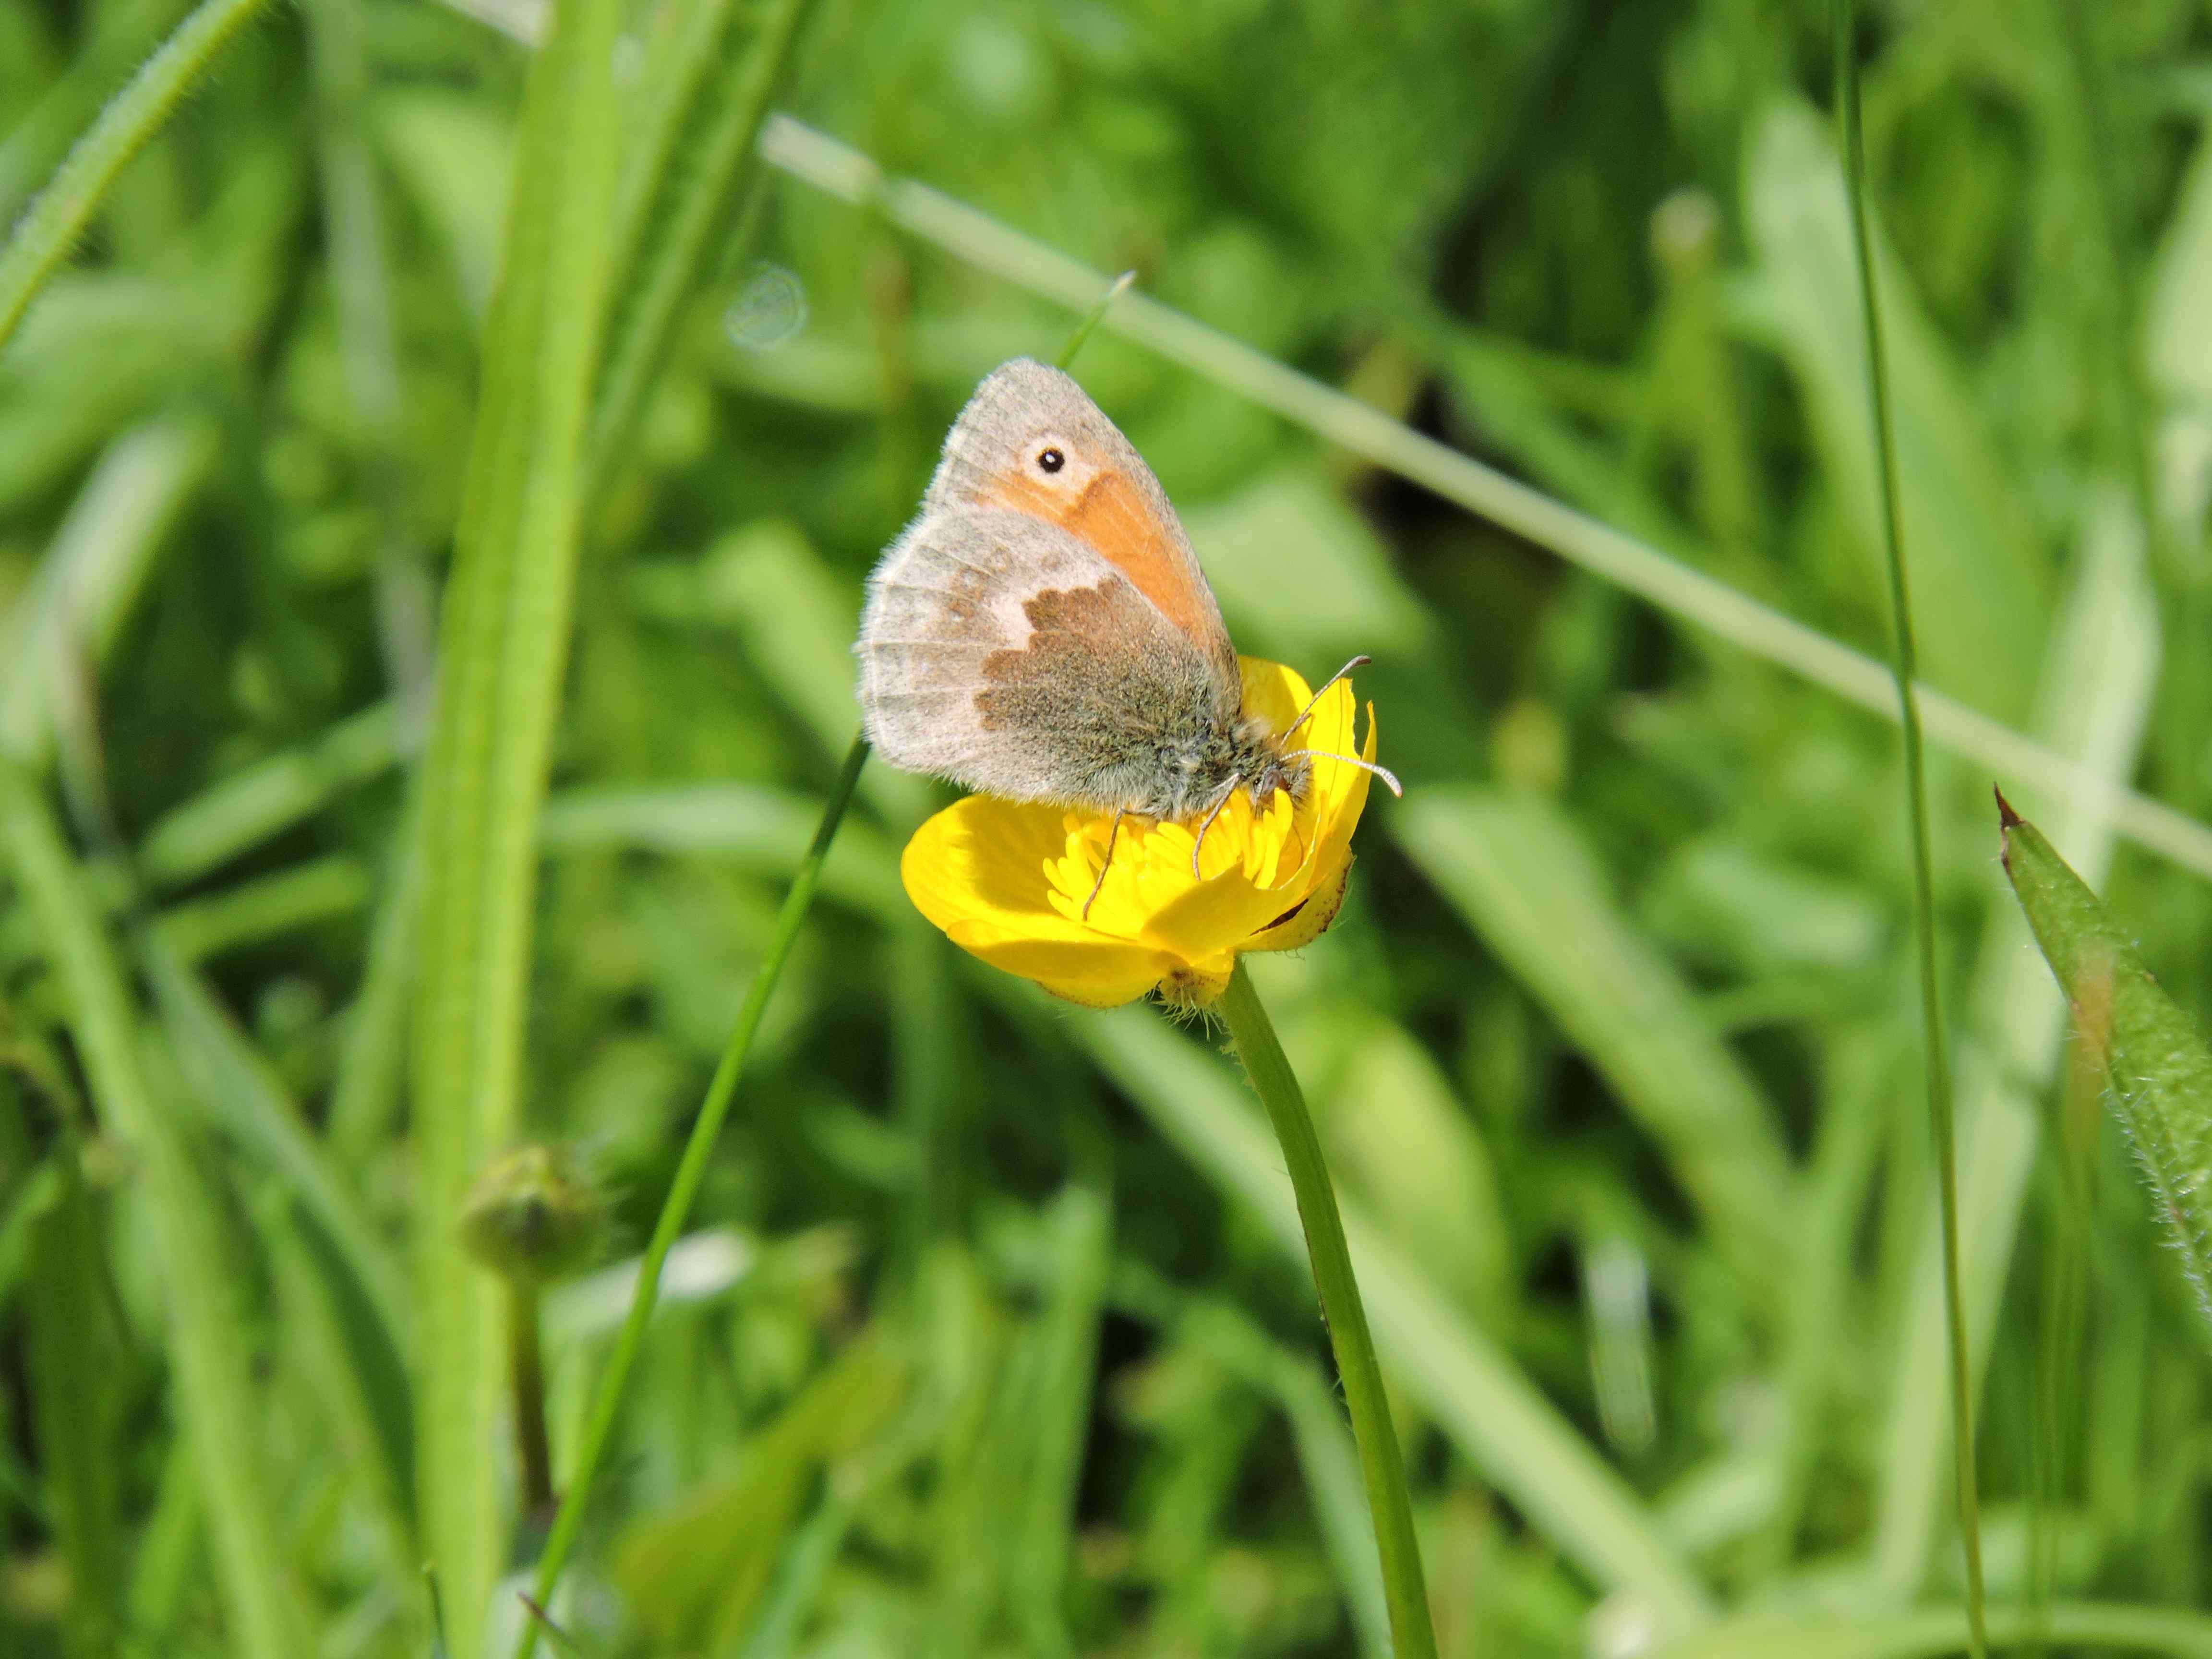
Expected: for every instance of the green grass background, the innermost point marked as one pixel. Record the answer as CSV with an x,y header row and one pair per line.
x,y
992,1332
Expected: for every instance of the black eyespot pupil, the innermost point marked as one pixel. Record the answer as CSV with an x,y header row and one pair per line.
x,y
1051,460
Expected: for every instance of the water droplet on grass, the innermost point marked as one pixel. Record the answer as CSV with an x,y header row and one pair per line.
x,y
768,311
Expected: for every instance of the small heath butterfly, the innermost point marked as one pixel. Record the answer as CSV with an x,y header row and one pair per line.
x,y
1042,631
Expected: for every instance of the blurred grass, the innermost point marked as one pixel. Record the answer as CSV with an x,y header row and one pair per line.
x,y
1513,345
1904,659
50,225
504,643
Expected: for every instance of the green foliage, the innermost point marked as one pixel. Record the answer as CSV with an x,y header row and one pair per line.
x,y
2159,1071
504,639
1516,344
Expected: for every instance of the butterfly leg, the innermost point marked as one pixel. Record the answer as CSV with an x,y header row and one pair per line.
x,y
1104,864
1198,846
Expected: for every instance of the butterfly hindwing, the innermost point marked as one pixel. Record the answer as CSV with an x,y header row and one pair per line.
x,y
1005,654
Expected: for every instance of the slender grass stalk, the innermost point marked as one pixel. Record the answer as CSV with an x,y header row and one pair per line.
x,y
50,225
1380,1465
1095,316
1915,785
1669,584
676,1208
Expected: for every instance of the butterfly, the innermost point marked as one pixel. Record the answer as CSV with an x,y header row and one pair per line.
x,y
1042,630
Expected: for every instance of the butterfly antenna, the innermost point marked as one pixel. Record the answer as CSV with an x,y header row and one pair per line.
x,y
1198,846
1104,864
1382,772
1314,702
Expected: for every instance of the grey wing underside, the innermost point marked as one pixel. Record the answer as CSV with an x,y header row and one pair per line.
x,y
1000,652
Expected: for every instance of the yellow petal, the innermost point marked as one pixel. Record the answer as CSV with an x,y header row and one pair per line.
x,y
977,871
980,861
1105,974
1309,922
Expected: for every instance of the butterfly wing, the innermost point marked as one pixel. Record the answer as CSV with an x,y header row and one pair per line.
x,y
1001,453
1001,652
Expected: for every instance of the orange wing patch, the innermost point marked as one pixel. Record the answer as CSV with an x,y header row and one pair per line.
x,y
1110,515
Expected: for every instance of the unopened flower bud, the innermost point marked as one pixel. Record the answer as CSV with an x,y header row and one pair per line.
x,y
535,1217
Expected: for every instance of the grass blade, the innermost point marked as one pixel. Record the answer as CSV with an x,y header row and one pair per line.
x,y
1515,868
258,802
239,1094
1935,1056
96,567
2158,1069
70,1360
504,646
355,1399
1981,574
2094,703
807,1560
207,1344
690,182
51,225
676,1207
365,1095
1081,1222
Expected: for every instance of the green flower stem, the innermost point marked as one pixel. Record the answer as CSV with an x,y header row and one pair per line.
x,y
526,1352
676,1207
1380,1465
1905,669
53,224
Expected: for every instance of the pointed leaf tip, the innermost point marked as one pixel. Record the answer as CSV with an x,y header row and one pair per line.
x,y
2007,818
2159,1071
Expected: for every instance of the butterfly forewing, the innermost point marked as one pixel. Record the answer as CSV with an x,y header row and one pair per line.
x,y
1031,441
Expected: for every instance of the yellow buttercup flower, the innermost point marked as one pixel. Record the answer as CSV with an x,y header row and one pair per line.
x,y
1007,882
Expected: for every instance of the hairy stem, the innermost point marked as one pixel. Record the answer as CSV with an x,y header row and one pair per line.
x,y
64,209
526,1352
1379,1464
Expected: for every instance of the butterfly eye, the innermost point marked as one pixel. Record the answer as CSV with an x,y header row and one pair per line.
x,y
1050,460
